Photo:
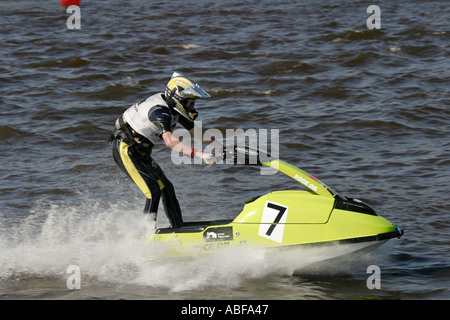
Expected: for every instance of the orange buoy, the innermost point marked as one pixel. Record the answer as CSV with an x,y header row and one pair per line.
x,y
70,2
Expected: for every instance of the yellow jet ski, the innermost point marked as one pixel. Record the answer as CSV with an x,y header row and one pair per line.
x,y
314,217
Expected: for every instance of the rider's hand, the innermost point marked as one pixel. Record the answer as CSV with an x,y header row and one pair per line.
x,y
209,158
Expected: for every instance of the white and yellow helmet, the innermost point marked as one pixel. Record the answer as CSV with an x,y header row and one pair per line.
x,y
181,93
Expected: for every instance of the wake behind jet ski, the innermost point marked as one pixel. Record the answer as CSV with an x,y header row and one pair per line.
x,y
318,217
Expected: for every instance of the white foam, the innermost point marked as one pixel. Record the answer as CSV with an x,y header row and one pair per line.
x,y
186,46
108,244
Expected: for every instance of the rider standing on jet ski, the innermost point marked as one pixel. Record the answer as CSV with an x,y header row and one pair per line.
x,y
146,123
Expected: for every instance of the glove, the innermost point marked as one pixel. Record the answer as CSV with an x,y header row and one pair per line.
x,y
209,158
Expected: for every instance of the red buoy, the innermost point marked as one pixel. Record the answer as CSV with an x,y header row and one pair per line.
x,y
70,2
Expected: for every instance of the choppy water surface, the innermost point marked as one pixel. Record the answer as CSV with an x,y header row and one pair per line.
x,y
367,111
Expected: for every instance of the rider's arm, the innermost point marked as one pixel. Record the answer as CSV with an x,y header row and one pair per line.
x,y
178,146
161,119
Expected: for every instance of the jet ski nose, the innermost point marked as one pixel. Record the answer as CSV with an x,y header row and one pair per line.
x,y
400,232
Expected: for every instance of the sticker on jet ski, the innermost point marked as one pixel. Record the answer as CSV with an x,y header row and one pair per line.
x,y
305,182
218,234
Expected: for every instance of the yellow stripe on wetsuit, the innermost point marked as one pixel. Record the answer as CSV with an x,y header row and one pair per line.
x,y
133,172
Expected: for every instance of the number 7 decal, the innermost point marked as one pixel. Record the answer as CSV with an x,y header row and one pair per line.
x,y
273,221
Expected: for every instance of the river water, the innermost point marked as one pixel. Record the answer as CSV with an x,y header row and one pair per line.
x,y
366,111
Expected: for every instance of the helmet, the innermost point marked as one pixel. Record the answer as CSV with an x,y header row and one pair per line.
x,y
181,93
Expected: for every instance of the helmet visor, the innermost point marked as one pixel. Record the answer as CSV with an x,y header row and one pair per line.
x,y
194,92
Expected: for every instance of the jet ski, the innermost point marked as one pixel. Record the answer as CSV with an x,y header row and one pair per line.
x,y
315,217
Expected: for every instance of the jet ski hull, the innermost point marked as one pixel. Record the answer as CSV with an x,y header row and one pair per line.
x,y
287,219
316,218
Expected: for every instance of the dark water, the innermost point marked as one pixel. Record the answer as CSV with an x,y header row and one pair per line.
x,y
367,111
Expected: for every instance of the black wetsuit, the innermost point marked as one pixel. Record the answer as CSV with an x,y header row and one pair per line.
x,y
137,131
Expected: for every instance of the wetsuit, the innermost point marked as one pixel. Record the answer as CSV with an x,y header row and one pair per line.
x,y
137,131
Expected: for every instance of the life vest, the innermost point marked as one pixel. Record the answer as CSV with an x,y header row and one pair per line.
x,y
137,116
